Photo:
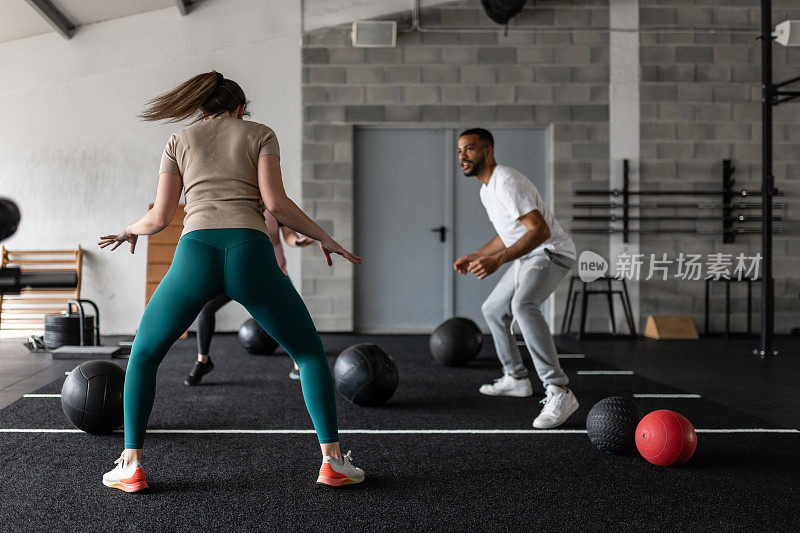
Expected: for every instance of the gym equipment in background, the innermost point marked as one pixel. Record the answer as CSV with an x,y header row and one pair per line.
x,y
65,337
727,333
729,221
91,396
24,310
590,288
365,375
456,342
611,424
14,280
9,218
666,438
255,340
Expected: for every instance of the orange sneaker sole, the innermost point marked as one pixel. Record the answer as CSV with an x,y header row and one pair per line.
x,y
129,487
338,482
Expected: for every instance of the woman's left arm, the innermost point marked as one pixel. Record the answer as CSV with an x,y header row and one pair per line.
x,y
156,219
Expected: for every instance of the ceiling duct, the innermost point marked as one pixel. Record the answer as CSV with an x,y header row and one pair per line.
x,y
501,11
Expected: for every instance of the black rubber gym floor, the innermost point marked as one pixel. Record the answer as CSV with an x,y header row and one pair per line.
x,y
546,481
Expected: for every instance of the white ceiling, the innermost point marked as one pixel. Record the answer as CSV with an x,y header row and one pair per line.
x,y
19,20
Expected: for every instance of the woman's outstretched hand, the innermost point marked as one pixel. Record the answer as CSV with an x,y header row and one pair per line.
x,y
116,240
329,246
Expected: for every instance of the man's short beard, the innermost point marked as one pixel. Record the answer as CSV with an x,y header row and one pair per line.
x,y
477,167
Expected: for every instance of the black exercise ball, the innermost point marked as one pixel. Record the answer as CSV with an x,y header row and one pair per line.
x,y
456,342
255,340
365,375
91,396
611,424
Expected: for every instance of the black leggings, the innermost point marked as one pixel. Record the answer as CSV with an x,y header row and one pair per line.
x,y
206,323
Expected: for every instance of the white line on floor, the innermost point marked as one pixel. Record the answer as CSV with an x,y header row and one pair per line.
x,y
571,356
747,430
389,431
667,396
67,373
605,372
41,396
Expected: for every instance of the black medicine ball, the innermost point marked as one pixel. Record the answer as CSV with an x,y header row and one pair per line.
x,y
91,396
365,375
456,342
255,340
611,424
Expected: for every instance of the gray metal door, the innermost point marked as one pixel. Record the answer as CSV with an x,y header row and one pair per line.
x,y
399,194
524,149
407,184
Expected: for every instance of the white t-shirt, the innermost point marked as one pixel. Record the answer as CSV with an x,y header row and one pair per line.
x,y
510,195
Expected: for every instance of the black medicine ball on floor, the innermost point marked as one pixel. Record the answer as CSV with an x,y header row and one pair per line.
x,y
365,375
456,342
255,340
91,396
611,424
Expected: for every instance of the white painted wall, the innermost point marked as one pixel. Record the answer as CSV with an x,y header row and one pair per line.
x,y
79,163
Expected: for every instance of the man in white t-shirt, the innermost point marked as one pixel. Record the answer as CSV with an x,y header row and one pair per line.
x,y
543,254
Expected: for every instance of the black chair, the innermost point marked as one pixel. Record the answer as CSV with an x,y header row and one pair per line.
x,y
585,289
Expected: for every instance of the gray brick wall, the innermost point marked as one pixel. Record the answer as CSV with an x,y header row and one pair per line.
x,y
700,102
554,78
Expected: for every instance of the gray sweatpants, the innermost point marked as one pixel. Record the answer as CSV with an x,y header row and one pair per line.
x,y
518,295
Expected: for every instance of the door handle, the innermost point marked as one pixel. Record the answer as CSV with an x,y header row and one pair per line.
x,y
442,231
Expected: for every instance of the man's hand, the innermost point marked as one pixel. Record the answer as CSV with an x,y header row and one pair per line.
x,y
463,262
483,266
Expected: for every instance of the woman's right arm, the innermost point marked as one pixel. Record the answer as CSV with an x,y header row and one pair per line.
x,y
270,184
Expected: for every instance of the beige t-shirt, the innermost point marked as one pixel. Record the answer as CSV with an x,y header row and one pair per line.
x,y
218,161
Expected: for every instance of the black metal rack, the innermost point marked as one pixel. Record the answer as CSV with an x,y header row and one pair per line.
x,y
772,94
730,221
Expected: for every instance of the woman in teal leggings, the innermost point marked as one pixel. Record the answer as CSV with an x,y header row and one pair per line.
x,y
226,166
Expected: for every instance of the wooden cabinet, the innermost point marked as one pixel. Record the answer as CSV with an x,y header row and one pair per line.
x,y
161,250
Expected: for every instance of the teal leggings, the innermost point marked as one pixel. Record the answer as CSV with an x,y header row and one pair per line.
x,y
240,263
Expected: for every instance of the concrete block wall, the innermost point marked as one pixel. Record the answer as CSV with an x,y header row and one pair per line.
x,y
701,103
546,78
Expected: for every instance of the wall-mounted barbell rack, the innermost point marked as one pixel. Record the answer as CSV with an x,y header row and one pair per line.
x,y
729,204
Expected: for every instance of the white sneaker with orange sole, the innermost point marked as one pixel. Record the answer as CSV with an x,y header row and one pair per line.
x,y
129,478
338,472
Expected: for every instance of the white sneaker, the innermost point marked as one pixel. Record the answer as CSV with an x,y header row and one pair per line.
x,y
508,385
338,472
558,406
129,478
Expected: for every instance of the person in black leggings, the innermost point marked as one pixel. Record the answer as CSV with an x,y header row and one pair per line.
x,y
206,320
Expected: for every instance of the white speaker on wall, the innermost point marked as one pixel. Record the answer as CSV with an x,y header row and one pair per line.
x,y
374,33
787,33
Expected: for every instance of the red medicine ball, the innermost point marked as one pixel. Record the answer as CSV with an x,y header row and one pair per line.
x,y
666,438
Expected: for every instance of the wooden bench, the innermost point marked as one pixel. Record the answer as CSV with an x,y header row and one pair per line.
x,y
24,312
